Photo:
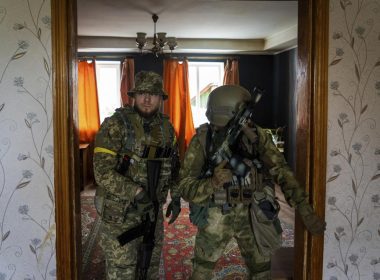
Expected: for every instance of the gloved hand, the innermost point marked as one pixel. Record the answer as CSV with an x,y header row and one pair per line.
x,y
312,222
174,208
221,176
249,131
144,205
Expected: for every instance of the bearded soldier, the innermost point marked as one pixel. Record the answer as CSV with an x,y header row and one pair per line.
x,y
135,164
234,197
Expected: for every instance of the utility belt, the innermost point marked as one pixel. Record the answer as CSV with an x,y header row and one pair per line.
x,y
231,196
234,195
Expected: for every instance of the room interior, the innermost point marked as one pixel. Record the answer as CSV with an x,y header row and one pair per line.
x,y
311,91
267,59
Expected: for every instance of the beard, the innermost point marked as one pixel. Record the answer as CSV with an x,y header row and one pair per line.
x,y
146,115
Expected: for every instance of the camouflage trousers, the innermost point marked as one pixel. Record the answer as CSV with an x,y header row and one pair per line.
x,y
211,241
121,261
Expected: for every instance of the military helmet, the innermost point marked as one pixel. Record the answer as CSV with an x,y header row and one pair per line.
x,y
224,102
148,82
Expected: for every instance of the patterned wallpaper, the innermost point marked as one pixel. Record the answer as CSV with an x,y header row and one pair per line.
x,y
27,227
352,240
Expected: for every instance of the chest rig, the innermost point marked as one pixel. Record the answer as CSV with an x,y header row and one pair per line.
x,y
244,188
146,140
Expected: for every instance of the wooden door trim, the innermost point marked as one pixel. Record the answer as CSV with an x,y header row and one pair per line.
x,y
66,158
311,134
312,100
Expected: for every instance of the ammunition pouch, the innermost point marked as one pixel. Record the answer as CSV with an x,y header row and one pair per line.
x,y
220,197
233,195
137,171
111,208
246,195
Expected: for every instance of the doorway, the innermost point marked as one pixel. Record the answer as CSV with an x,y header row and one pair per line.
x,y
311,129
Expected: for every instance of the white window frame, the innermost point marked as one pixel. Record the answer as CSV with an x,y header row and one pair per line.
x,y
107,97
198,112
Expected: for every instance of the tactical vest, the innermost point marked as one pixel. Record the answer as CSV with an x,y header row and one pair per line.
x,y
256,188
155,141
258,195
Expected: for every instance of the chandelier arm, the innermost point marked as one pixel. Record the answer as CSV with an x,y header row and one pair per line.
x,y
158,41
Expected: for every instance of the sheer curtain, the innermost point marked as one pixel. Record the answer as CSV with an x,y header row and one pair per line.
x,y
231,72
88,108
127,80
178,107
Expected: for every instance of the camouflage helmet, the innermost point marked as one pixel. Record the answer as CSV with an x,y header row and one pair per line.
x,y
148,82
224,102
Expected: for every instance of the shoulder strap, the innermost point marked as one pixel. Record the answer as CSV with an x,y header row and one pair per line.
x,y
204,135
167,136
131,124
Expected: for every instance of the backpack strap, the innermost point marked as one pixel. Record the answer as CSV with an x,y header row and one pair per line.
x,y
204,136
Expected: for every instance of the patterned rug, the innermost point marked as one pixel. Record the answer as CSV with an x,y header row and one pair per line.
x,y
177,250
93,266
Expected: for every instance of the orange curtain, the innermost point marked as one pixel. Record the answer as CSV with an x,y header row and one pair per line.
x,y
231,72
127,80
88,108
178,107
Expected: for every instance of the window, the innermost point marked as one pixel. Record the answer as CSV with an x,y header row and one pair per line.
x,y
108,83
203,78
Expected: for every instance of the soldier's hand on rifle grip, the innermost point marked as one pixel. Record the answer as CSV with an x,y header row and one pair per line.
x,y
144,205
174,208
249,131
221,176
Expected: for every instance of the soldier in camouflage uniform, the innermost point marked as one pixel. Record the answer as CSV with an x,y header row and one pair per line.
x,y
224,206
126,141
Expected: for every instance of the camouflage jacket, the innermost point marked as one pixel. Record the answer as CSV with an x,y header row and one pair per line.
x,y
198,190
117,136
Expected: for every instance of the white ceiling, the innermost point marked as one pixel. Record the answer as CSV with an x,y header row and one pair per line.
x,y
201,26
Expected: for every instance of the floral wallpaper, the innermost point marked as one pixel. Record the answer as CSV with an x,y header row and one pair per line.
x,y
352,240
27,220
27,229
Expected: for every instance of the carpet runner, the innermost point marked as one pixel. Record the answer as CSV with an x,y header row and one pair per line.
x,y
177,249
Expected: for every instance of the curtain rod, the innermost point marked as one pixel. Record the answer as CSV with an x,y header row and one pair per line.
x,y
167,56
202,57
103,57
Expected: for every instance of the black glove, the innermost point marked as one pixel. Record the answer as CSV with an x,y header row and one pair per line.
x,y
174,208
144,205
312,222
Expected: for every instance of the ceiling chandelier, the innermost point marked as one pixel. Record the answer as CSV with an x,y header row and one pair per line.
x,y
159,40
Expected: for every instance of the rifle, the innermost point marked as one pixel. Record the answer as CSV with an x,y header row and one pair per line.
x,y
148,227
239,168
235,126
